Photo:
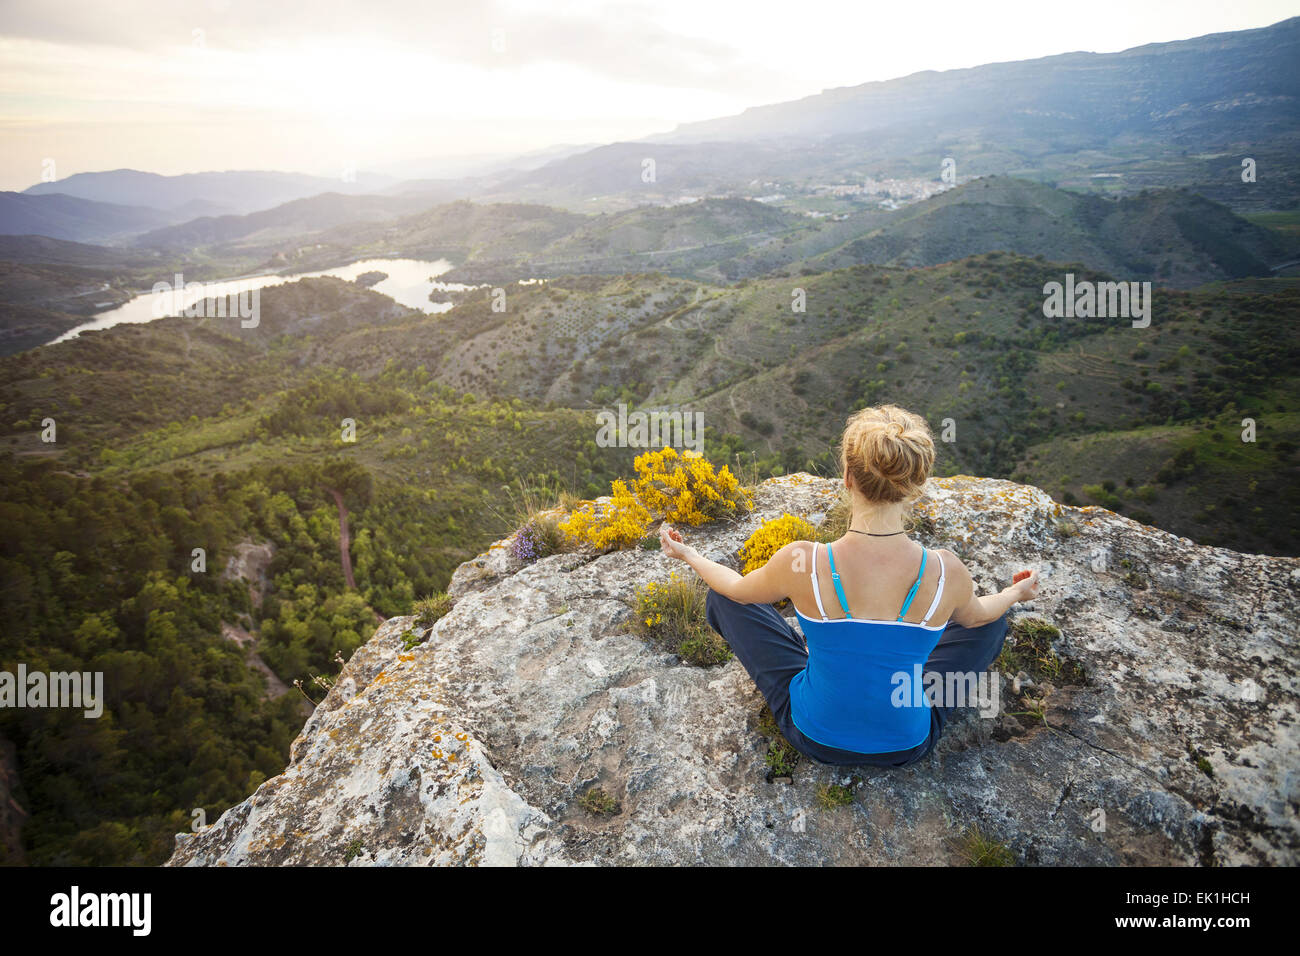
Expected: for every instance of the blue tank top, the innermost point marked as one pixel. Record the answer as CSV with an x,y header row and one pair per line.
x,y
850,694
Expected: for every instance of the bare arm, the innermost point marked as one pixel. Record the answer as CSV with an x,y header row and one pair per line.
x,y
983,609
765,585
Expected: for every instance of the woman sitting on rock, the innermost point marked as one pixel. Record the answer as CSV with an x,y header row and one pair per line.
x,y
875,606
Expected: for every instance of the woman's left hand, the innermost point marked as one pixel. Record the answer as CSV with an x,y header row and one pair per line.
x,y
671,543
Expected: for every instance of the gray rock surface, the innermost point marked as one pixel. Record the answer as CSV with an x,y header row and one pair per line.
x,y
1179,746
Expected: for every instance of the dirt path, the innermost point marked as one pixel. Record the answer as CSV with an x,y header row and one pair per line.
x,y
345,540
345,547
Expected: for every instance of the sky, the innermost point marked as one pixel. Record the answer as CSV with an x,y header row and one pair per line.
x,y
324,86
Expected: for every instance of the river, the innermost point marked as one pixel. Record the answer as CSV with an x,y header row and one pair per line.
x,y
409,282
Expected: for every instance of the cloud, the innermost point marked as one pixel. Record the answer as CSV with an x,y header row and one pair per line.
x,y
630,42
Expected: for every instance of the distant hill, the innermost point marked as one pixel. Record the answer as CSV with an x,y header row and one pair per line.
x,y
1221,88
47,285
688,239
1166,114
43,250
621,169
1171,237
656,228
459,231
60,216
195,194
965,340
25,327
300,217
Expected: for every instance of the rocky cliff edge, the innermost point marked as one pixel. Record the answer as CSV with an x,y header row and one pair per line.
x,y
1168,737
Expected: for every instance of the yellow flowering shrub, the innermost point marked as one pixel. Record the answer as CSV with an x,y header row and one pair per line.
x,y
623,522
772,537
685,489
671,614
678,488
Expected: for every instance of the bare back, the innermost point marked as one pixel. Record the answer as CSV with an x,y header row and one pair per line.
x,y
876,580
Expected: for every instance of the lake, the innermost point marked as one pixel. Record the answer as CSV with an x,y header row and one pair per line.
x,y
409,282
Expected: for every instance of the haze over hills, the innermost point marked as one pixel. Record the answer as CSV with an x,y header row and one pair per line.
x,y
299,217
455,167
236,191
1160,115
1151,116
1216,90
43,250
72,209
60,216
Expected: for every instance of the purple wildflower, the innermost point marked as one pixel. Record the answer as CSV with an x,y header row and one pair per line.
x,y
524,547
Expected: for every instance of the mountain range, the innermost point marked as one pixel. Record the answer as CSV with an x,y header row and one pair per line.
x,y
1181,113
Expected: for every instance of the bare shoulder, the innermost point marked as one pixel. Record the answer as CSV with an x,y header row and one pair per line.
x,y
956,570
781,576
795,557
951,561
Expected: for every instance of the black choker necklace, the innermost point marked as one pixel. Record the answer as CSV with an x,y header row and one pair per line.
x,y
877,534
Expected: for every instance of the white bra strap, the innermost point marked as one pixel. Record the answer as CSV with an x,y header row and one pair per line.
x,y
938,594
817,591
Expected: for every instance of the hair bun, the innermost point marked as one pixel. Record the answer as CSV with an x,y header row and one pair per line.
x,y
887,452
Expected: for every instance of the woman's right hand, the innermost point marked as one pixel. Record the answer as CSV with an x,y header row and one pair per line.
x,y
671,543
1025,589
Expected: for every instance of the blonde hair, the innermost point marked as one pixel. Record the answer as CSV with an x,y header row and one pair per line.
x,y
887,453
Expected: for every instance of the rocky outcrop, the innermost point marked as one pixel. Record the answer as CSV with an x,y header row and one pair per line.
x,y
249,561
1169,735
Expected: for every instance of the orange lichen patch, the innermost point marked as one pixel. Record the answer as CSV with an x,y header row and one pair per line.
x,y
452,757
270,843
437,738
437,753
798,478
462,736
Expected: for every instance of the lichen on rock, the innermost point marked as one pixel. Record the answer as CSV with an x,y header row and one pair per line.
x,y
1178,746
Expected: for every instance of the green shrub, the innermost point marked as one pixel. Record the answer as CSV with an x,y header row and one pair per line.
x,y
831,796
671,614
428,610
598,802
980,849
781,757
1029,648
